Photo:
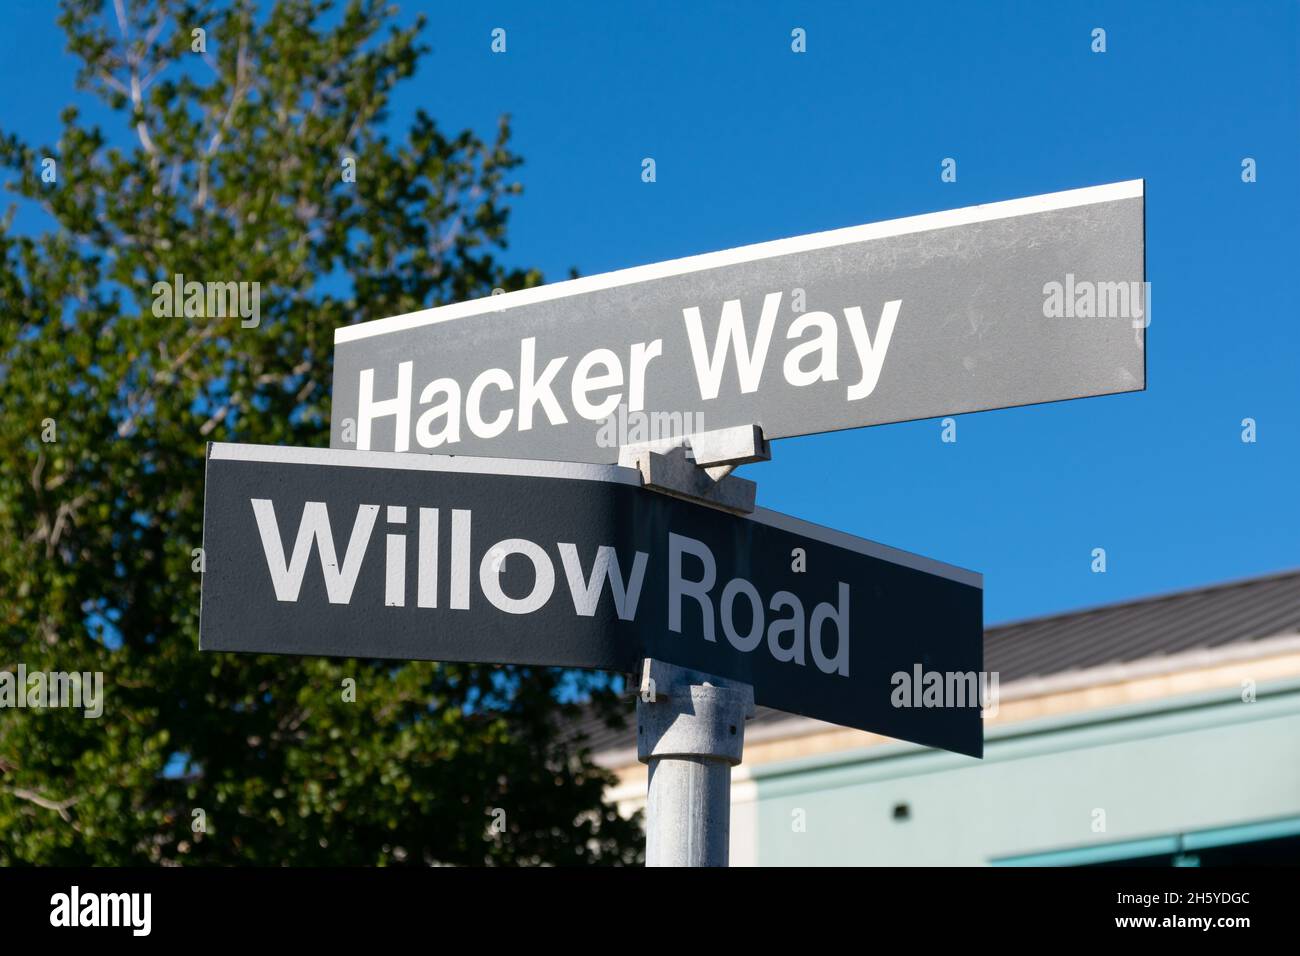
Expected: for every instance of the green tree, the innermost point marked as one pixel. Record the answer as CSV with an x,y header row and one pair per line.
x,y
229,166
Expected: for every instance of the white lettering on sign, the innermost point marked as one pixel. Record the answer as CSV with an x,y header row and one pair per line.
x,y
731,328
699,590
586,593
602,380
747,621
340,579
314,526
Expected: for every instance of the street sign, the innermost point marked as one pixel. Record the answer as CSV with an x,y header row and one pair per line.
x,y
433,557
1012,303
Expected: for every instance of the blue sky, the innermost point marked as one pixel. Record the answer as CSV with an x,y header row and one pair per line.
x,y
754,142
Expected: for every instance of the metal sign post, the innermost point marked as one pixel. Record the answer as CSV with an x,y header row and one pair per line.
x,y
690,731
690,726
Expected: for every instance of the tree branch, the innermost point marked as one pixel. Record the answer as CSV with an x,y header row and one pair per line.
x,y
60,807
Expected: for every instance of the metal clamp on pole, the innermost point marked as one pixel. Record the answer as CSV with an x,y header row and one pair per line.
x,y
691,732
698,467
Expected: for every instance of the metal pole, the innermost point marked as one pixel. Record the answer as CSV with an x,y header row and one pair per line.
x,y
691,732
691,725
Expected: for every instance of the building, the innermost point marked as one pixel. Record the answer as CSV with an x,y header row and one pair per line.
x,y
1163,731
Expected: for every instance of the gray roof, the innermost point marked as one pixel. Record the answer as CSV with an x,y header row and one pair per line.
x,y
1237,612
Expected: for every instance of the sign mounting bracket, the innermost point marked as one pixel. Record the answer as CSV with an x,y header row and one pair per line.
x,y
698,467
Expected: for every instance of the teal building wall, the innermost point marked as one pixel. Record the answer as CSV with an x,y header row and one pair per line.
x,y
1171,778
